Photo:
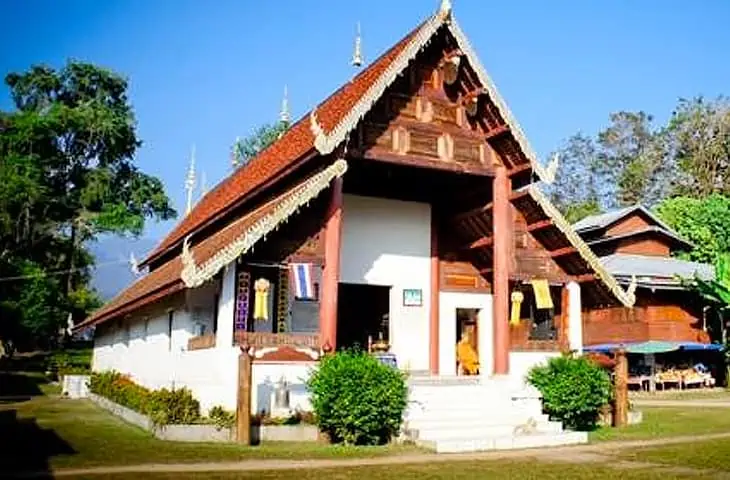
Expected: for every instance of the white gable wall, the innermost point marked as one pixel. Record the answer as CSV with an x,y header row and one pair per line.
x,y
388,243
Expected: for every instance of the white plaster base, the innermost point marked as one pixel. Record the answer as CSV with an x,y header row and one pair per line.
x,y
207,433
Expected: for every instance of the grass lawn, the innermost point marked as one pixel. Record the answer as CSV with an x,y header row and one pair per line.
x,y
529,469
42,431
692,394
669,421
713,454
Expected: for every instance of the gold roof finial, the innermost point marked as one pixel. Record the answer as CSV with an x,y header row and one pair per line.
x,y
445,8
190,182
357,54
284,115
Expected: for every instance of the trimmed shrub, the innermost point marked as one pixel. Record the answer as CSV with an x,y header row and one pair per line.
x,y
176,406
357,399
573,389
297,418
120,389
164,406
221,417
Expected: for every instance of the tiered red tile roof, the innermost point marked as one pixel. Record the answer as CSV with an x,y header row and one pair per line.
x,y
296,143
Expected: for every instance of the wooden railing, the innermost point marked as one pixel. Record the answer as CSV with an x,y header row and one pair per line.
x,y
262,339
202,342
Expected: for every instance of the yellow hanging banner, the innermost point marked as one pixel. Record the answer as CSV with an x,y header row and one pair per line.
x,y
517,298
261,299
542,293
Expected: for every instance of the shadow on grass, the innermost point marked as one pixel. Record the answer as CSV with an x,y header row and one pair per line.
x,y
15,387
27,447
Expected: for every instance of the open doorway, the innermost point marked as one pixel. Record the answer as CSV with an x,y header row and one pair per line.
x,y
467,343
362,312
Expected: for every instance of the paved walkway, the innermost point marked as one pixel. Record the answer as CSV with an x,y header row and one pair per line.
x,y
594,453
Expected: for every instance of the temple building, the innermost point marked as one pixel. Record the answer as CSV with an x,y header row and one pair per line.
x,y
402,214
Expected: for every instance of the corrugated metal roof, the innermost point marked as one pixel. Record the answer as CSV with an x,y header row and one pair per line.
x,y
664,269
605,219
602,220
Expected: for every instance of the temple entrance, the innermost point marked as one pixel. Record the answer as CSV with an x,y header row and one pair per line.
x,y
363,313
467,341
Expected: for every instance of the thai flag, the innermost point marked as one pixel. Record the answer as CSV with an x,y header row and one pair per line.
x,y
303,280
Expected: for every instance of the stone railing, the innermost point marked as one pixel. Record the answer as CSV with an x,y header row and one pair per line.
x,y
262,339
202,342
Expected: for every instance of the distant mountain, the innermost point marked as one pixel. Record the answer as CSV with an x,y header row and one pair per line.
x,y
113,272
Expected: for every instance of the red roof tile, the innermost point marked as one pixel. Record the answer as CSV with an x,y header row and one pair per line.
x,y
293,145
166,279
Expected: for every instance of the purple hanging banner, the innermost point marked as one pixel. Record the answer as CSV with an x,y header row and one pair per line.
x,y
242,294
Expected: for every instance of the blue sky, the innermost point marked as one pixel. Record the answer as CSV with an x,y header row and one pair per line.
x,y
205,72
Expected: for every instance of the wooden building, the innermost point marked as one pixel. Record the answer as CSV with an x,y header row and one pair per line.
x,y
634,243
410,199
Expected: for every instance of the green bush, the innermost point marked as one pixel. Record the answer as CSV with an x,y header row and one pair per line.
x,y
120,389
163,406
221,417
296,418
176,406
357,399
573,389
68,362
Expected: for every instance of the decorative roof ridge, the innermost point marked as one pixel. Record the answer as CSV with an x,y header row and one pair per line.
x,y
326,142
194,275
627,297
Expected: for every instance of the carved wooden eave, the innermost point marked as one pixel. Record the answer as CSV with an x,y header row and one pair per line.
x,y
326,141
194,275
627,297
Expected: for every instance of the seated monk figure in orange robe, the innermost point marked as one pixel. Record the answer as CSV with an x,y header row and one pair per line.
x,y
467,356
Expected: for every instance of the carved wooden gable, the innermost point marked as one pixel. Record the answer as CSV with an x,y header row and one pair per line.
x,y
434,112
531,258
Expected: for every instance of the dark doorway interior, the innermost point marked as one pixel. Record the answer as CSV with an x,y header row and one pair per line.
x,y
362,311
467,327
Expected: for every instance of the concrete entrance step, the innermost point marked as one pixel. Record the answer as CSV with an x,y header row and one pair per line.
x,y
456,432
508,442
473,422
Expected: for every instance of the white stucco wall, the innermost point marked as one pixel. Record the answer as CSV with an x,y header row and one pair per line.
x,y
155,359
388,243
448,303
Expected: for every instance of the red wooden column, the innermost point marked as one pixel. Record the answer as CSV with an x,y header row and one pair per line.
x,y
434,313
331,273
502,221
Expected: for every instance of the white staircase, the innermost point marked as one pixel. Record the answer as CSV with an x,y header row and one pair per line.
x,y
467,414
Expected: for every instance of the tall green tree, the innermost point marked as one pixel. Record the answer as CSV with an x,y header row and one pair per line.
x,y
67,174
631,161
705,222
575,191
697,139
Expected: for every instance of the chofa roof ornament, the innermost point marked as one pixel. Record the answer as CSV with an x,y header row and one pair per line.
x,y
551,171
445,8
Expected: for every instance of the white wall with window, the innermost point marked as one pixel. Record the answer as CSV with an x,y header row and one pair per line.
x,y
152,348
